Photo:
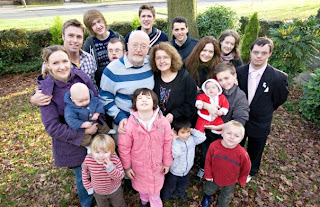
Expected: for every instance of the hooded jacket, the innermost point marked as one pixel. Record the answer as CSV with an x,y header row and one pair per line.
x,y
145,150
183,153
76,115
220,101
66,148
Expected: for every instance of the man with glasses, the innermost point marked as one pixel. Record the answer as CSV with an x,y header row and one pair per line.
x,y
116,49
266,89
123,76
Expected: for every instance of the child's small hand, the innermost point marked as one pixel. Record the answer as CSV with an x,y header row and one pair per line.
x,y
95,116
209,180
175,136
107,162
212,127
129,173
199,106
86,124
165,169
220,113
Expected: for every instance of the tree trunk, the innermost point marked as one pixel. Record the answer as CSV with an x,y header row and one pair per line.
x,y
186,9
24,3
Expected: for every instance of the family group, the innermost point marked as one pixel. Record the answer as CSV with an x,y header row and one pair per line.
x,y
135,108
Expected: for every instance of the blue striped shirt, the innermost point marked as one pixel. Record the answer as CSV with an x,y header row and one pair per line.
x,y
118,82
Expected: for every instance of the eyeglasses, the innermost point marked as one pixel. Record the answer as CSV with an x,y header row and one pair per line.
x,y
136,45
166,59
256,53
114,51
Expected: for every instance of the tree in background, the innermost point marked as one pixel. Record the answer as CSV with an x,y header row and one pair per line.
x,y
250,35
186,9
24,3
217,19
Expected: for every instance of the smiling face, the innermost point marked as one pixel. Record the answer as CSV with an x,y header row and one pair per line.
x,y
138,47
100,155
144,102
211,89
184,133
259,56
146,19
207,53
226,79
232,136
59,65
73,39
180,31
163,61
98,26
227,44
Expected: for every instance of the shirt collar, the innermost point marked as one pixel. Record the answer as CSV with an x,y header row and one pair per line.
x,y
260,70
128,64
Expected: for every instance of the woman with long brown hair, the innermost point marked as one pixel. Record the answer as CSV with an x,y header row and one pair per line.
x,y
202,60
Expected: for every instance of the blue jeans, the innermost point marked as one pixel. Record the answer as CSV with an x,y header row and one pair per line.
x,y
85,199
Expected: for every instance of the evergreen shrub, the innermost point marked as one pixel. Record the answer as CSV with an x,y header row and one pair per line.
x,y
250,35
310,101
56,31
297,46
217,19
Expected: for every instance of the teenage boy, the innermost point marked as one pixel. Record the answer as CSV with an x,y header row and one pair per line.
x,y
266,89
97,43
147,16
226,75
227,163
72,35
181,39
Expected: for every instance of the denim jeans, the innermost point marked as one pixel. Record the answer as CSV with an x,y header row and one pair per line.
x,y
85,199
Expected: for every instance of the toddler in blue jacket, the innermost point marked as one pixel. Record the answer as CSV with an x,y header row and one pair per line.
x,y
82,110
183,152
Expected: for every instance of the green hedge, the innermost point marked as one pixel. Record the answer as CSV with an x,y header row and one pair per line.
x,y
19,46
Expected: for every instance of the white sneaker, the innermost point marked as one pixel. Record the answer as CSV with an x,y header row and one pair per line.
x,y
112,131
200,173
249,178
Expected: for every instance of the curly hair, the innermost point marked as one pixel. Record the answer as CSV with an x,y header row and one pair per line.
x,y
176,61
91,15
192,62
236,36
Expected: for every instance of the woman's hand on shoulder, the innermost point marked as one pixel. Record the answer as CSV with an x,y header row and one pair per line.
x,y
40,99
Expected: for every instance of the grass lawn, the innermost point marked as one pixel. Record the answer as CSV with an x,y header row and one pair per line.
x,y
274,10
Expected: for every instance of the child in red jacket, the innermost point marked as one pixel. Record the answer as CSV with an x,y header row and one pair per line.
x,y
226,163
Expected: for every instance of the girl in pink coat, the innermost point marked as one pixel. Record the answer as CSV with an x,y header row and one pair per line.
x,y
145,148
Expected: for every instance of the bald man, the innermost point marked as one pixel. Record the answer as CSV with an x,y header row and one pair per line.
x,y
123,76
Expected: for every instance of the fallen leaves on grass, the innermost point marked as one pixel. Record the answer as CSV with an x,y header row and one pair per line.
x,y
289,175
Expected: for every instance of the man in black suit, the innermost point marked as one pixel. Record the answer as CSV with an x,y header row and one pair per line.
x,y
266,89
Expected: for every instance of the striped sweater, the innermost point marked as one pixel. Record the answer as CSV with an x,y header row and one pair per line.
x,y
103,181
118,82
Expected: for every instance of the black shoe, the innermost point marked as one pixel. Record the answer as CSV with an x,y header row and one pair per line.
x,y
144,205
127,186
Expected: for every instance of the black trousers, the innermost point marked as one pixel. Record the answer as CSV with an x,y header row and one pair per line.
x,y
174,185
255,150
